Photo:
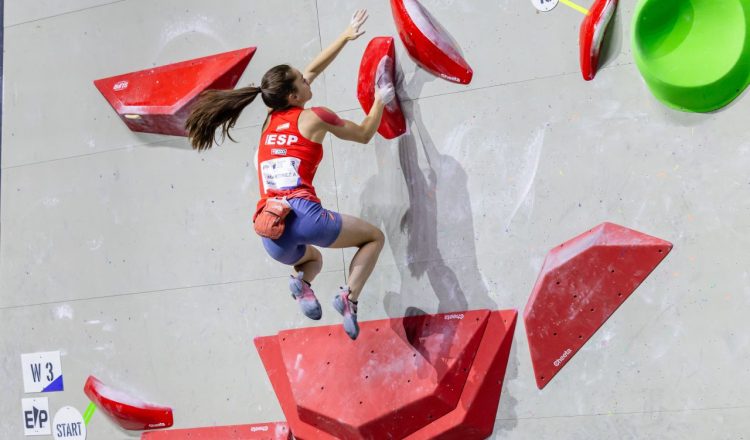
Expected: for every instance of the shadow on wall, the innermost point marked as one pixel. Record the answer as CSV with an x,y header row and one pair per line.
x,y
438,201
507,419
413,233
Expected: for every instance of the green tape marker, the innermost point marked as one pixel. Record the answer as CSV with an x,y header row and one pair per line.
x,y
578,8
89,412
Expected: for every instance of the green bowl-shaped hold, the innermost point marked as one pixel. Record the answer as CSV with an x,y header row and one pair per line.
x,y
693,54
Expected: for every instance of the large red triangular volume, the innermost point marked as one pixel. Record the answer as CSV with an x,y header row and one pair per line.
x,y
158,100
258,431
127,411
372,67
392,380
581,284
428,43
421,376
593,27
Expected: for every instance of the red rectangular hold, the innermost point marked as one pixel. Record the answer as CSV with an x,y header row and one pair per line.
x,y
258,431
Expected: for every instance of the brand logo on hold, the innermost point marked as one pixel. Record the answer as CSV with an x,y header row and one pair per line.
x,y
121,85
157,425
565,354
450,78
282,127
278,151
454,316
258,428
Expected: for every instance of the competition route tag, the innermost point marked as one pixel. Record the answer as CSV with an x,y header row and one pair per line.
x,y
548,5
35,416
68,424
42,372
544,5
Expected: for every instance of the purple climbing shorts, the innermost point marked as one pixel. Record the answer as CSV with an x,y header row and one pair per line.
x,y
307,223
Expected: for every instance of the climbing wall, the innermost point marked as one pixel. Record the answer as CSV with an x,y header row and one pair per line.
x,y
134,256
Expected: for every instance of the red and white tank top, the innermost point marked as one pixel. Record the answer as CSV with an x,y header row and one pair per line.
x,y
286,161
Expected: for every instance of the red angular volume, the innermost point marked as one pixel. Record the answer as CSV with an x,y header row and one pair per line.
x,y
593,27
417,377
379,63
428,43
581,284
128,412
158,100
258,431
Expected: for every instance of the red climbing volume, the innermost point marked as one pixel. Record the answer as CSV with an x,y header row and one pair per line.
x,y
418,377
581,284
158,100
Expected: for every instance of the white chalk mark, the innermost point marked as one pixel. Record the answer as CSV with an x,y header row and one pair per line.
x,y
535,152
64,311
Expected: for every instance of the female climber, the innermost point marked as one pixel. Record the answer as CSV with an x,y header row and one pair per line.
x,y
287,157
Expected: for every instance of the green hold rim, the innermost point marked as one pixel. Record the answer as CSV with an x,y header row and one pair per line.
x,y
693,54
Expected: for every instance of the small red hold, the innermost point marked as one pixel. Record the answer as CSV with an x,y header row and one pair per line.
x,y
428,43
378,63
127,411
593,28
